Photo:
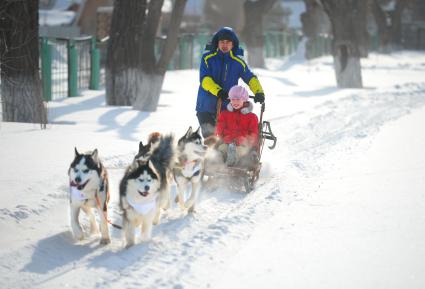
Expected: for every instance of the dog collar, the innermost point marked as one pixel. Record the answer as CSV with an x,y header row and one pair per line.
x,y
76,194
142,208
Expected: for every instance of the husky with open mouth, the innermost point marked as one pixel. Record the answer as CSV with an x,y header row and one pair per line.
x,y
145,188
89,189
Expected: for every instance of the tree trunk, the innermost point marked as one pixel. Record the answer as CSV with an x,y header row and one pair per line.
x,y
381,23
19,63
346,43
347,67
315,23
253,30
149,87
396,22
133,75
360,13
220,13
314,20
389,24
124,57
153,76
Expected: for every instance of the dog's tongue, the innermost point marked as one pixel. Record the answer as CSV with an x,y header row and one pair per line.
x,y
77,185
144,194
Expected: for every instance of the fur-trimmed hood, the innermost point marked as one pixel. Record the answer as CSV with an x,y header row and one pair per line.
x,y
247,107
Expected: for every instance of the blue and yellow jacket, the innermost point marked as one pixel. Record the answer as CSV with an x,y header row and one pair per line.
x,y
220,70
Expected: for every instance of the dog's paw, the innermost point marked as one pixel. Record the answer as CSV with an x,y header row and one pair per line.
x,y
78,236
191,210
105,241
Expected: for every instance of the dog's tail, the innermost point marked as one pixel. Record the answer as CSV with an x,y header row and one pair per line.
x,y
163,157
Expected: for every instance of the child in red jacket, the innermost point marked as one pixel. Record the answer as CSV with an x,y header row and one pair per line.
x,y
237,129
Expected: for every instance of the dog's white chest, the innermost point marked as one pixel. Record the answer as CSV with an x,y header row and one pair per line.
x,y
142,208
77,195
190,169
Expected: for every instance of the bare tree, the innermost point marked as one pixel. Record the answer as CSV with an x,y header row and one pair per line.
x,y
388,22
349,36
315,23
19,62
134,75
253,30
220,13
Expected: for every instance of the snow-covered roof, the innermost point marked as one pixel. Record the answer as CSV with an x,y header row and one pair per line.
x,y
55,17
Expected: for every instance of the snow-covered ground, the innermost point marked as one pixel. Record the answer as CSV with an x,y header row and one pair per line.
x,y
340,202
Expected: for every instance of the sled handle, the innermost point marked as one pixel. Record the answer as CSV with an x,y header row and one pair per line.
x,y
268,134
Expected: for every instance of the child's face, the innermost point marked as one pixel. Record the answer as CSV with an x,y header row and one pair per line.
x,y
236,103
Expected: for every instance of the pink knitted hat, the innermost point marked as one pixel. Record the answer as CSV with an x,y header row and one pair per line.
x,y
238,92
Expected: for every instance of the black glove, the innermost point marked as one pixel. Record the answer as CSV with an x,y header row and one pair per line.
x,y
259,97
224,95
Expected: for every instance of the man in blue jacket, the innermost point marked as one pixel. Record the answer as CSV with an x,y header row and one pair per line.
x,y
220,70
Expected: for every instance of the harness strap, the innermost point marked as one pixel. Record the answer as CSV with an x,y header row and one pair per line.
x,y
104,214
196,169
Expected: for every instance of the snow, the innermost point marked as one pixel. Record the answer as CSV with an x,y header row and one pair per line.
x,y
57,14
340,202
55,17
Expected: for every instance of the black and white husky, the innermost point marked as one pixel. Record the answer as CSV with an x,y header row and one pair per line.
x,y
189,168
145,188
89,188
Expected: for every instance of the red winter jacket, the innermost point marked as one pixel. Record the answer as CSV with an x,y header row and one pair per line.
x,y
239,126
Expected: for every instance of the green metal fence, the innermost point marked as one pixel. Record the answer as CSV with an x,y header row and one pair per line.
x,y
68,66
279,43
318,46
188,51
191,46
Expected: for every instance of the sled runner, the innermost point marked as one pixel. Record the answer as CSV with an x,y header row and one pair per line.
x,y
242,175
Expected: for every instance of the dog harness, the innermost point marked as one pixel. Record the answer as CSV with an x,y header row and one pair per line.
x,y
190,169
144,208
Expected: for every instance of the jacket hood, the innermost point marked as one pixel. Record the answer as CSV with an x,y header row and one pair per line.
x,y
228,33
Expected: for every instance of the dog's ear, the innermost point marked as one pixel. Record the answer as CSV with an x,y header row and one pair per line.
x,y
197,131
134,165
95,156
140,146
76,152
189,132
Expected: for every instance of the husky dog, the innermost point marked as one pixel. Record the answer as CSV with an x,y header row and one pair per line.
x,y
145,189
190,167
89,188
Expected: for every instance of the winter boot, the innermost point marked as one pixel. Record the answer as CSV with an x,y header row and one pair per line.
x,y
231,155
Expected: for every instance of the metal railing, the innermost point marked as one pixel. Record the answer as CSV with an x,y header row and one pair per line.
x,y
68,66
280,43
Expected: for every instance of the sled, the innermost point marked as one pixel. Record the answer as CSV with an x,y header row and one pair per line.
x,y
247,176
